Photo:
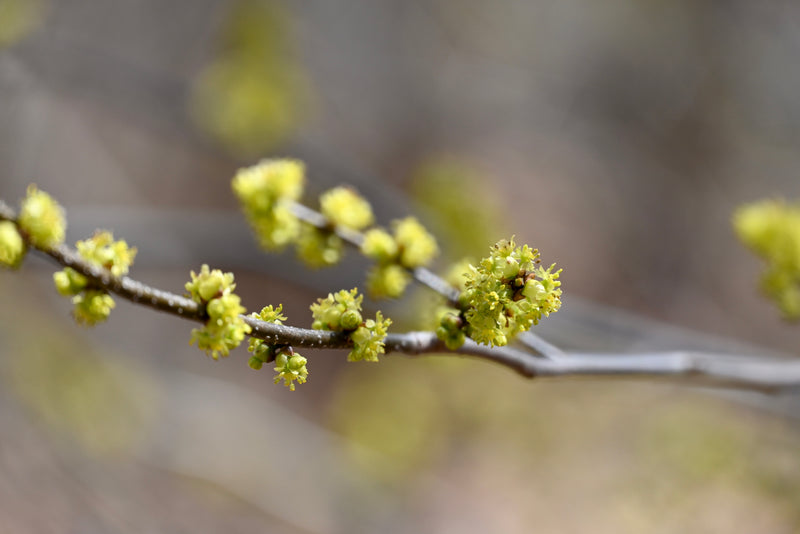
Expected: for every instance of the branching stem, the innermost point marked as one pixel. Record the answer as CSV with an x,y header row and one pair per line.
x,y
426,277
698,368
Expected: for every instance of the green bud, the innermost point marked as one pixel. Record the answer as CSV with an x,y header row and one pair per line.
x,y
508,268
350,320
319,248
12,247
291,369
442,333
225,329
209,284
225,307
92,307
276,228
379,245
534,290
102,250
451,321
456,275
42,219
452,340
209,288
262,351
771,229
328,312
265,191
368,339
387,281
62,282
296,363
69,282
332,316
344,207
269,180
417,246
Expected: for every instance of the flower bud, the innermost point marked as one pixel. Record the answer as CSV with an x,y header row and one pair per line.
x,y
12,247
350,320
42,218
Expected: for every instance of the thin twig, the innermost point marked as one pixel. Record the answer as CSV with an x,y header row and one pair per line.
x,y
720,370
696,368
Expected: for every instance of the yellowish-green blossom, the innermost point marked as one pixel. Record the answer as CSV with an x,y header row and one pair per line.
x,y
328,312
417,246
450,327
507,293
456,275
224,329
69,282
42,219
344,207
379,245
12,247
260,185
368,339
265,192
92,304
102,250
771,229
290,368
387,280
319,248
92,307
262,351
209,284
341,312
411,246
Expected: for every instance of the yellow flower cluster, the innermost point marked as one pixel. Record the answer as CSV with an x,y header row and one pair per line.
x,y
771,229
225,329
341,312
93,305
507,293
410,246
265,192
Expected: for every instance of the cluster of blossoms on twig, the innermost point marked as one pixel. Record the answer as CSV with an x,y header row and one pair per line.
x,y
92,303
289,365
41,222
505,294
409,246
485,303
225,329
341,312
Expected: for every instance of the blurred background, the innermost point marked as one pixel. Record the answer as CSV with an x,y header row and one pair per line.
x,y
617,137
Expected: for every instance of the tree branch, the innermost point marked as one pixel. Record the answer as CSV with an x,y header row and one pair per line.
x,y
696,368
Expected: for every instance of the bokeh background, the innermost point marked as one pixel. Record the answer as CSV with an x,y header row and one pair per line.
x,y
617,137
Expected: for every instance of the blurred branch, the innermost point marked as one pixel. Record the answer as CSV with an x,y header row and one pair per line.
x,y
353,238
696,368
